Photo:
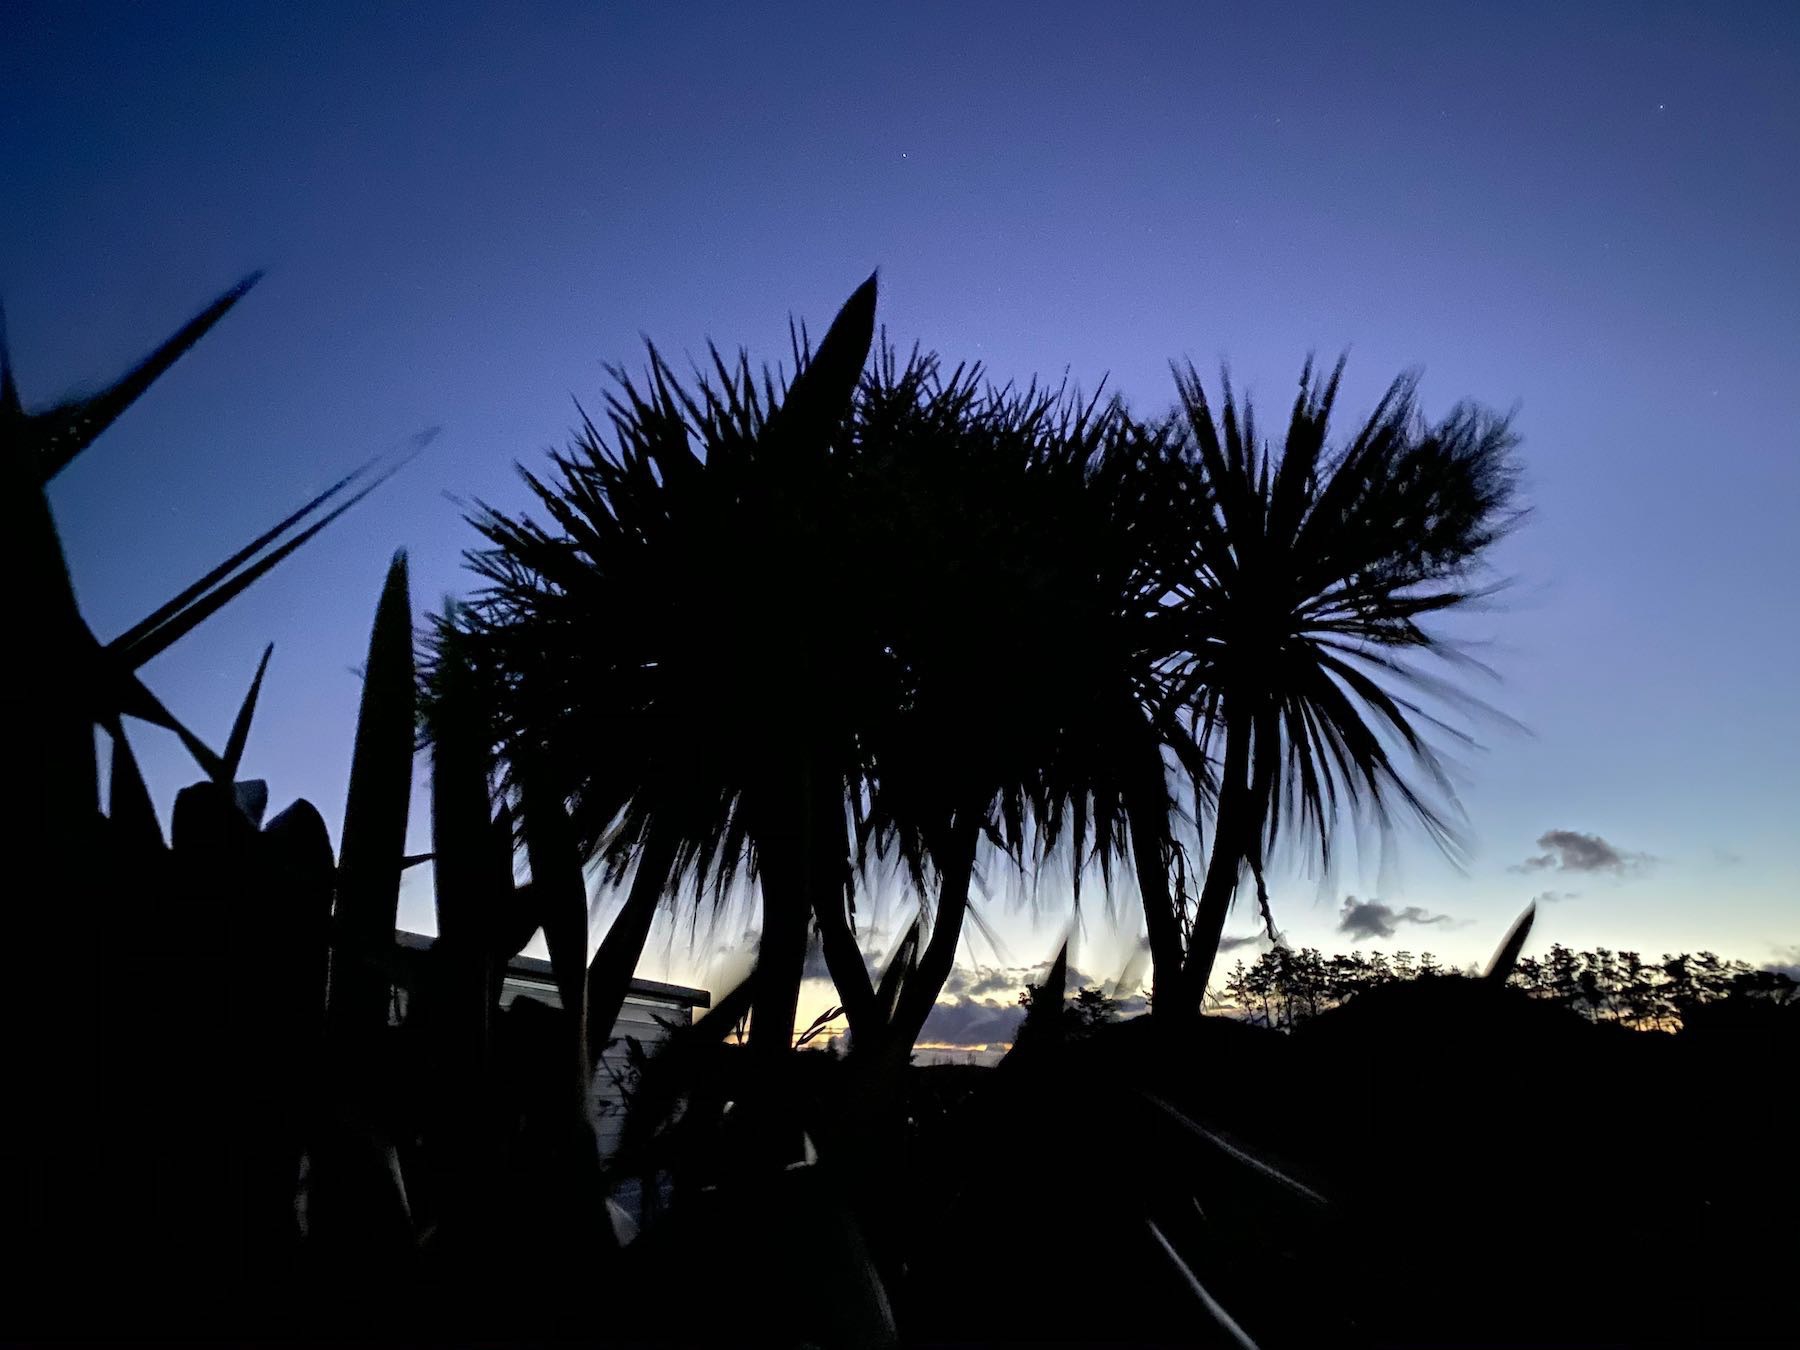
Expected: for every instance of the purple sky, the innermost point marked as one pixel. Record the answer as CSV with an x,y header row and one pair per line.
x,y
1588,211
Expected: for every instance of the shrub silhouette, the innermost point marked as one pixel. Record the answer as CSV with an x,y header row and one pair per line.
x,y
738,652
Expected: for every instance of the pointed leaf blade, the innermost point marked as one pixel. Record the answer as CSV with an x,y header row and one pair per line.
x,y
55,438
374,839
240,728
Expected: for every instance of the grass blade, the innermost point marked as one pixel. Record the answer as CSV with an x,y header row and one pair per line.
x,y
374,842
153,635
240,728
120,692
54,438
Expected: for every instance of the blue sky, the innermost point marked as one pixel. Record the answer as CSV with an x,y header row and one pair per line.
x,y
1586,212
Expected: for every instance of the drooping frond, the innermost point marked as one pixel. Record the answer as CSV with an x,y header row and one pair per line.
x,y
674,624
1313,569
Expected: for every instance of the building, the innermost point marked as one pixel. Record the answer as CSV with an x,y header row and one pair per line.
x,y
651,1011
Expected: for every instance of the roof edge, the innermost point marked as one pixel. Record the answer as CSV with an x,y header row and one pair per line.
x,y
534,968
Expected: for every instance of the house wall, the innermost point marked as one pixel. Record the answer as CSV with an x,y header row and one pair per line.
x,y
649,1012
638,1019
643,1018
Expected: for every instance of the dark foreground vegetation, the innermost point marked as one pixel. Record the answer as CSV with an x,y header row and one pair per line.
x,y
1454,1162
739,654
1287,986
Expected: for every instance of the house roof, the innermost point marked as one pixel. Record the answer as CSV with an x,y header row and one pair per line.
x,y
538,971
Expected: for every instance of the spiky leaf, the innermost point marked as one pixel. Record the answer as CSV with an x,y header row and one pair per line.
x,y
54,438
368,882
240,726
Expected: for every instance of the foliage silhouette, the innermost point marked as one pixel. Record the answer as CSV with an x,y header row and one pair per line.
x,y
1220,609
234,1068
606,637
1315,576
999,510
1286,987
327,1133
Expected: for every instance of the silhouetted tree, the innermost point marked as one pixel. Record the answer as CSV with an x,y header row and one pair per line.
x,y
1055,519
680,644
1314,573
1286,987
1090,1009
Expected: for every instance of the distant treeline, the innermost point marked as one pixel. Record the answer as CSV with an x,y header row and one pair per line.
x,y
1287,986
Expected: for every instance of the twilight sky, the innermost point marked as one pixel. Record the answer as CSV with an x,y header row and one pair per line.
x,y
1589,212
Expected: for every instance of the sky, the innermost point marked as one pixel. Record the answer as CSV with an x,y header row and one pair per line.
x,y
1586,214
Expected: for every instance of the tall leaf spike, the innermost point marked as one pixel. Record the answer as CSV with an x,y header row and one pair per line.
x,y
1508,956
240,729
57,436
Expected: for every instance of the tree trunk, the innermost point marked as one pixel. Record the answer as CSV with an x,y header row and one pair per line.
x,y
781,957
844,959
560,886
874,1125
1225,867
1149,814
794,883
609,977
956,865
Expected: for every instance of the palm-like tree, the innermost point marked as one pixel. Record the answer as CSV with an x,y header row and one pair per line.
x,y
1314,577
943,464
680,646
721,655
1022,546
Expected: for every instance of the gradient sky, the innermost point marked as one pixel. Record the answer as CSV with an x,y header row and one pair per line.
x,y
1589,212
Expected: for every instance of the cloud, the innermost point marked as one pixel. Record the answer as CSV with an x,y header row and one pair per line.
x,y
1573,851
988,982
971,1022
1364,919
1554,897
1786,962
983,1007
1724,857
1008,982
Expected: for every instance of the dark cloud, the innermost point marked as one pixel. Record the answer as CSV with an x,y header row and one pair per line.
x,y
1231,944
1573,851
1131,1005
984,1007
962,981
972,1022
1008,982
1363,919
993,983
